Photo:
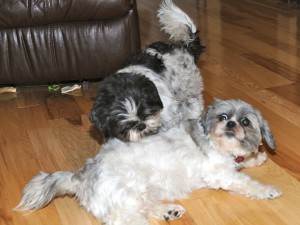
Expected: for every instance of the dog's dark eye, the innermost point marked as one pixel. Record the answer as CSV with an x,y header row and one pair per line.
x,y
245,122
223,117
124,131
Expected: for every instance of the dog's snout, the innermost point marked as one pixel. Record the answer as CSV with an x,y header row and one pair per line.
x,y
231,124
141,127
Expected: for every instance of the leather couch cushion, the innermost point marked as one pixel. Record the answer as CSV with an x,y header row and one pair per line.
x,y
22,13
70,40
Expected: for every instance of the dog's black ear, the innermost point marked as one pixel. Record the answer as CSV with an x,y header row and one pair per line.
x,y
96,122
94,119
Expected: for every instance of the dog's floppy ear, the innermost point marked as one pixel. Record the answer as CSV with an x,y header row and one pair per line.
x,y
95,120
205,120
266,132
267,135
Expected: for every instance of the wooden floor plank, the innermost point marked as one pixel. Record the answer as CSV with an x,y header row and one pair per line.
x,y
290,93
278,104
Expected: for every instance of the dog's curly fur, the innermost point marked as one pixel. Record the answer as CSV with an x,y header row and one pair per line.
x,y
176,90
126,181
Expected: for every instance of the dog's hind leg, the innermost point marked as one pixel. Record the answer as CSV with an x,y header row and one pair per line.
x,y
132,210
166,211
123,217
139,217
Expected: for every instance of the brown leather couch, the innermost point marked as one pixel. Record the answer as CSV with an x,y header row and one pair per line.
x,y
46,41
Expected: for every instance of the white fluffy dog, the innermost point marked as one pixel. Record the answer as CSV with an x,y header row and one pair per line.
x,y
125,182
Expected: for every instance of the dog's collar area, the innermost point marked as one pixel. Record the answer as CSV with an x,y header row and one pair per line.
x,y
239,159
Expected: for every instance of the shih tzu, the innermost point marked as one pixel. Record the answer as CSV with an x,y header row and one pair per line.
x,y
126,182
157,88
127,107
236,128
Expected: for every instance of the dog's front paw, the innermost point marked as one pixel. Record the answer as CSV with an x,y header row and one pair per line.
x,y
167,211
174,212
268,192
261,158
254,161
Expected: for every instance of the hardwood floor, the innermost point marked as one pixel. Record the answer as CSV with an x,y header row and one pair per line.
x,y
253,53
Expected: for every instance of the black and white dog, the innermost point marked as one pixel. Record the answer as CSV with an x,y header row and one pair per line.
x,y
158,87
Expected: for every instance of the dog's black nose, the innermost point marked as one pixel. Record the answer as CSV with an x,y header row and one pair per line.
x,y
141,127
231,124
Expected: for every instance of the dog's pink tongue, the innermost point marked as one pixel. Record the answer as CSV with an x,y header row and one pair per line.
x,y
239,159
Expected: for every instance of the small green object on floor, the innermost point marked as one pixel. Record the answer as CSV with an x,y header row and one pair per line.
x,y
54,87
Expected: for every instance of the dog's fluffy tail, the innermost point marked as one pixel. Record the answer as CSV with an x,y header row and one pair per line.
x,y
180,27
44,187
175,22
